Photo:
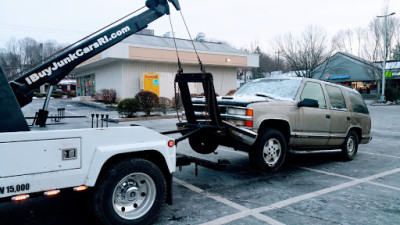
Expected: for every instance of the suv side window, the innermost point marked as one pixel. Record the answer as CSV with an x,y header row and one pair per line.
x,y
336,97
313,90
357,102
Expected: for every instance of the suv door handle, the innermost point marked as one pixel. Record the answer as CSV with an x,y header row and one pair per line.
x,y
328,116
348,118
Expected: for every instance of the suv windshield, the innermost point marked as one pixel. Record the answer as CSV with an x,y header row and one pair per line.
x,y
273,88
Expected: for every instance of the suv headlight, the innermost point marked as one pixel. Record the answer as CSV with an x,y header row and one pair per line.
x,y
240,117
236,111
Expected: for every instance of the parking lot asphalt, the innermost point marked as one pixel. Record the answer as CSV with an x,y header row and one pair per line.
x,y
309,189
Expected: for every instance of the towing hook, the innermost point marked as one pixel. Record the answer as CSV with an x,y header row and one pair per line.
x,y
215,153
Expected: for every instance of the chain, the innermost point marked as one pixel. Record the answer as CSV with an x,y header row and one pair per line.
x,y
210,96
179,73
176,100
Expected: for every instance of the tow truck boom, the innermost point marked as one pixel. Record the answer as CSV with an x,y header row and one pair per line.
x,y
55,69
128,169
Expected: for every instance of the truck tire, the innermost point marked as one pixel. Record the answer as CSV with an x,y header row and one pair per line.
x,y
202,144
130,192
269,152
350,146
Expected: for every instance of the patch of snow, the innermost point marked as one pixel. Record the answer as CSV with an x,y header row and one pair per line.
x,y
282,89
243,98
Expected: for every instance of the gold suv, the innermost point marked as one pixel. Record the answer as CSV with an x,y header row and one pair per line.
x,y
273,115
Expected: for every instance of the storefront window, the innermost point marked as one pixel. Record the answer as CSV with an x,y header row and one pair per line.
x,y
86,85
364,87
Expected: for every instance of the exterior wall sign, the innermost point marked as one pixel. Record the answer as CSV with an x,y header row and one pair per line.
x,y
336,77
151,82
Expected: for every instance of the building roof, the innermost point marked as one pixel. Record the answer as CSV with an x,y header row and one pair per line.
x,y
390,65
345,67
150,41
361,60
147,47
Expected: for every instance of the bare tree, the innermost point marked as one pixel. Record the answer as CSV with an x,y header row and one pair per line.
x,y
31,52
343,41
24,54
11,59
396,52
373,37
305,53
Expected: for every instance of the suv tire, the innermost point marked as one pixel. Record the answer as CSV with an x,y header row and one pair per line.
x,y
350,146
203,143
270,151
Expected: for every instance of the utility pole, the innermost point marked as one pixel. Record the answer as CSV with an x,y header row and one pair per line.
x,y
383,99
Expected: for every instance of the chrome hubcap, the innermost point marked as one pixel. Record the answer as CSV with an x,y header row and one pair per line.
x,y
350,145
134,195
272,151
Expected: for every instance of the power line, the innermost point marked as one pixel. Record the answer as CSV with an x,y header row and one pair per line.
x,y
45,29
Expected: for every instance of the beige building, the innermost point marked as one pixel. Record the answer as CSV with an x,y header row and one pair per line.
x,y
123,66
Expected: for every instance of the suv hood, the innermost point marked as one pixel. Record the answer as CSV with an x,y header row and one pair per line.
x,y
237,100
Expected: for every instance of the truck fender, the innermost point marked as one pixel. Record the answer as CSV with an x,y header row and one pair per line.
x,y
104,153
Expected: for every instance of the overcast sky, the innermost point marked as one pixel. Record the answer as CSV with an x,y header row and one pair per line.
x,y
238,22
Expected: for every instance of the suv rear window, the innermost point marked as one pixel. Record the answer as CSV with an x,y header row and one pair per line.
x,y
336,97
357,102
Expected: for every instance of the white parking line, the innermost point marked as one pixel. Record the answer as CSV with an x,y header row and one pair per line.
x,y
328,173
378,154
351,178
290,201
226,202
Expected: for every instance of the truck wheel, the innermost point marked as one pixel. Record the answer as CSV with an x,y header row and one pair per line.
x,y
131,192
202,144
350,146
270,151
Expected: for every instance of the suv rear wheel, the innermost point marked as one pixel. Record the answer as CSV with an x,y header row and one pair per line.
x,y
270,151
350,146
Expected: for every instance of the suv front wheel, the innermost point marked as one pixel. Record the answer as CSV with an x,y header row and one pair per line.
x,y
270,151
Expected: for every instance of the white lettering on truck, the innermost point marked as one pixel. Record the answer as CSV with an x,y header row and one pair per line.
x,y
73,56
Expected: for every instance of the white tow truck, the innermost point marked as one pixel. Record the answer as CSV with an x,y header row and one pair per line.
x,y
127,171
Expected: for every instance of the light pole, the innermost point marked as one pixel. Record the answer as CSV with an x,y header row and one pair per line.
x,y
383,99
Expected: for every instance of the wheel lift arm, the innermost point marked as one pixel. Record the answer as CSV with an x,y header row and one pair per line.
x,y
211,101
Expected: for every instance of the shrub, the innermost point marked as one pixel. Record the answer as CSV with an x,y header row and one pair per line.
x,y
108,95
202,94
147,101
39,95
177,102
57,94
391,94
71,94
231,92
97,96
128,107
164,104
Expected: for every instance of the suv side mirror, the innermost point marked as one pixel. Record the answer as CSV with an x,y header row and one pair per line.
x,y
307,102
